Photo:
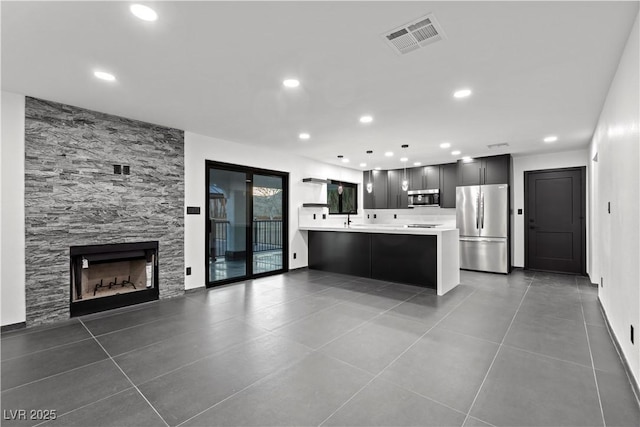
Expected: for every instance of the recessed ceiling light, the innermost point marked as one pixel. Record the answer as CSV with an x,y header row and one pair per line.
x,y
143,12
455,153
462,93
304,135
551,138
445,145
291,83
345,160
362,165
404,159
389,153
417,164
366,119
466,159
377,168
104,76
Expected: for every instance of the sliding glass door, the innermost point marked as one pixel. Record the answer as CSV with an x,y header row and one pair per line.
x,y
246,222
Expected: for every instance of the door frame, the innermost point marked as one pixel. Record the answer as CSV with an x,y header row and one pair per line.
x,y
583,212
250,171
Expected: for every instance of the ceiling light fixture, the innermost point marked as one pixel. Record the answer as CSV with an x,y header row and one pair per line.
x,y
466,159
417,163
304,135
377,168
345,160
104,76
445,145
366,119
551,138
291,83
404,159
143,12
389,154
462,93
455,153
363,165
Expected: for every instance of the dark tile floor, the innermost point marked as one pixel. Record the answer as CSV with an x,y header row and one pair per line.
x,y
311,348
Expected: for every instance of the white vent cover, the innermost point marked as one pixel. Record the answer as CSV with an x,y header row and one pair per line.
x,y
414,35
498,145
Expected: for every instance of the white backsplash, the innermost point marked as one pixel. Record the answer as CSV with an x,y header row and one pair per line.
x,y
425,215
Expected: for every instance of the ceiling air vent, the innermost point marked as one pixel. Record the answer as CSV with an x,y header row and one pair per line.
x,y
414,35
498,145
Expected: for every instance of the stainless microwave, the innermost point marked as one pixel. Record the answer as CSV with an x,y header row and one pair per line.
x,y
419,198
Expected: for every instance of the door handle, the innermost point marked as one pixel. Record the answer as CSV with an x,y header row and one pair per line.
x,y
482,204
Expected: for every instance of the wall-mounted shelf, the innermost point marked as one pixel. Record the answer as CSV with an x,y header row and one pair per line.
x,y
315,180
315,205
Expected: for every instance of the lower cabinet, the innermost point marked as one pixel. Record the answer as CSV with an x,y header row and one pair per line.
x,y
403,258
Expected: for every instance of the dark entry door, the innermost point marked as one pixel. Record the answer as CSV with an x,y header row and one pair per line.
x,y
554,220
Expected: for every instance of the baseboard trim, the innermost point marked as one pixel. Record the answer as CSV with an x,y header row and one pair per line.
x,y
13,327
634,384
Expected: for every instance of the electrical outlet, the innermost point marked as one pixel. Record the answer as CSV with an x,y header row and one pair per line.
x,y
188,271
324,216
519,211
368,216
126,170
295,255
395,216
632,334
375,216
117,169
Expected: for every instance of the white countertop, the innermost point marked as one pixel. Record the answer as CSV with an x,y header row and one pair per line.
x,y
385,228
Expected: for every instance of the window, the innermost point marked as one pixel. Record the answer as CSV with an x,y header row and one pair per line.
x,y
342,197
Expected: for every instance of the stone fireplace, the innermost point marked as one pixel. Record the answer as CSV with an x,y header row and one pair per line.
x,y
111,276
76,197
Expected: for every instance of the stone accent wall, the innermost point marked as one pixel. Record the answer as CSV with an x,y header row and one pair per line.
x,y
73,197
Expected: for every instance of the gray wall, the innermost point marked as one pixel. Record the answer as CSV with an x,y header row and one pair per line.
x,y
72,197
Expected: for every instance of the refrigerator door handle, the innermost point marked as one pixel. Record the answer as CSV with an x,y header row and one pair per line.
x,y
482,209
478,213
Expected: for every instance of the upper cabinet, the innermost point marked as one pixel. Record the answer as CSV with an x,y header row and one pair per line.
x,y
484,170
397,198
424,178
448,181
377,199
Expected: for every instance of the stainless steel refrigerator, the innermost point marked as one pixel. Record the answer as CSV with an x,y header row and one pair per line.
x,y
482,216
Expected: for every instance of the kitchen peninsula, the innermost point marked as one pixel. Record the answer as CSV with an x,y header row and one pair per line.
x,y
426,257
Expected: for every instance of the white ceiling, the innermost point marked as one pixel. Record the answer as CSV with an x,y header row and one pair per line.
x,y
215,68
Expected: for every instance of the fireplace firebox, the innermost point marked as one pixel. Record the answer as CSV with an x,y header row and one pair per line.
x,y
105,277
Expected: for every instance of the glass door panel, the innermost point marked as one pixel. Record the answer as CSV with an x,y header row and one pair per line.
x,y
227,240
268,215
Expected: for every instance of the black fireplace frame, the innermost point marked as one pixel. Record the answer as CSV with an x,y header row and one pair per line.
x,y
95,305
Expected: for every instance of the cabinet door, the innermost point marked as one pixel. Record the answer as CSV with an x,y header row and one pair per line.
x,y
431,177
395,180
469,173
415,178
448,181
496,170
367,198
380,191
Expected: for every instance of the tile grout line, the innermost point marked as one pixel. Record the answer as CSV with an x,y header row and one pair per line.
x,y
125,375
396,358
496,355
47,349
593,367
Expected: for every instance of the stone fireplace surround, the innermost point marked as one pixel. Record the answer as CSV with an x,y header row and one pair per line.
x,y
73,197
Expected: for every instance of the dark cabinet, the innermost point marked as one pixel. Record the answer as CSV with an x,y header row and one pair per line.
x,y
415,178
448,181
377,199
484,170
430,177
397,196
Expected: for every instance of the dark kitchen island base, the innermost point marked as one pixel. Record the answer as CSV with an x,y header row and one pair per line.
x,y
402,258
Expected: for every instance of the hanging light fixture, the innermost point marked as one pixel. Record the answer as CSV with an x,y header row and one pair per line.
x,y
340,187
369,184
405,182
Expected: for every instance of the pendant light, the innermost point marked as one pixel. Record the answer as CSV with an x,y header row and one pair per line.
x,y
369,184
405,182
340,187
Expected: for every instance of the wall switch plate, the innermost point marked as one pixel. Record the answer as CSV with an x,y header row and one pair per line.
x,y
608,207
368,216
126,170
395,216
519,211
601,282
193,210
188,271
295,255
324,216
375,216
314,216
632,338
117,169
